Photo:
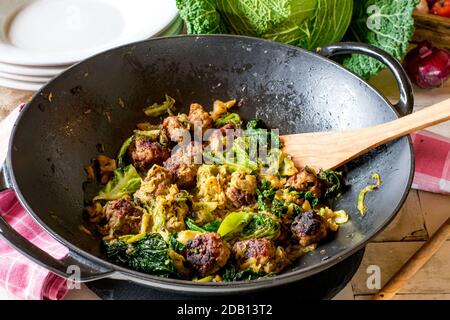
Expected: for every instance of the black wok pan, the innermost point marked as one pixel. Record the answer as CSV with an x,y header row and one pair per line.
x,y
99,101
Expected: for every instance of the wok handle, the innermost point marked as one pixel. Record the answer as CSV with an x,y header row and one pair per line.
x,y
406,102
73,266
5,181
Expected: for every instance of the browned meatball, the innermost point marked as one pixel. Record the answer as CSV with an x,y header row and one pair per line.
x,y
309,228
174,128
260,255
305,181
207,253
122,217
241,189
183,165
144,153
239,198
198,114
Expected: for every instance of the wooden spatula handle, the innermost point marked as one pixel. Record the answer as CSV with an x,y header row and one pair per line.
x,y
362,140
415,263
307,149
416,121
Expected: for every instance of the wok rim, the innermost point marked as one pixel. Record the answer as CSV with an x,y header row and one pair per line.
x,y
186,286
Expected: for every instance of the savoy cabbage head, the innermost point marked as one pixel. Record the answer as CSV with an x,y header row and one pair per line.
x,y
387,24
305,23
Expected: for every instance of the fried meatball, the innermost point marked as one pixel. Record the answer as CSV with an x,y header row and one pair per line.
x,y
174,128
122,217
306,181
156,183
309,228
260,255
207,253
183,165
241,189
144,153
198,114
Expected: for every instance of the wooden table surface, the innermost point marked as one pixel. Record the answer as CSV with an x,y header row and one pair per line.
x,y
419,218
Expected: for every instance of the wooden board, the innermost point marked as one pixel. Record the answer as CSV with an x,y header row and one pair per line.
x,y
436,210
435,296
434,278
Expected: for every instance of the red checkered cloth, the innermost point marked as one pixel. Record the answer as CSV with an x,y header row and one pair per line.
x,y
18,275
27,280
432,153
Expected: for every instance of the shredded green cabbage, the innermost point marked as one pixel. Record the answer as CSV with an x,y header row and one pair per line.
x,y
125,181
361,206
156,109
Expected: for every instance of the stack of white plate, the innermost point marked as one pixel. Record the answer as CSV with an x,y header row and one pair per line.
x,y
41,38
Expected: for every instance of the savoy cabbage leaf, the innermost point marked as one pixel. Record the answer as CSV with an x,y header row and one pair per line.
x,y
201,16
386,24
156,110
125,181
327,24
304,23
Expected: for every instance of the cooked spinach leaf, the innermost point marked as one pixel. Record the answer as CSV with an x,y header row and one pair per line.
x,y
232,273
174,244
334,182
149,255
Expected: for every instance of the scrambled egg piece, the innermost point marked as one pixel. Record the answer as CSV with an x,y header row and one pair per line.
x,y
210,197
169,211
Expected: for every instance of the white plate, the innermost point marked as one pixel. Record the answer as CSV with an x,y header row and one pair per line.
x,y
15,84
62,32
31,71
37,71
24,78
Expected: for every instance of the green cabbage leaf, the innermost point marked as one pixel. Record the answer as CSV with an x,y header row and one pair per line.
x,y
156,110
305,23
310,24
125,181
386,24
201,16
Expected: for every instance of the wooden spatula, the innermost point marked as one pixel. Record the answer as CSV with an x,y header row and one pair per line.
x,y
329,150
